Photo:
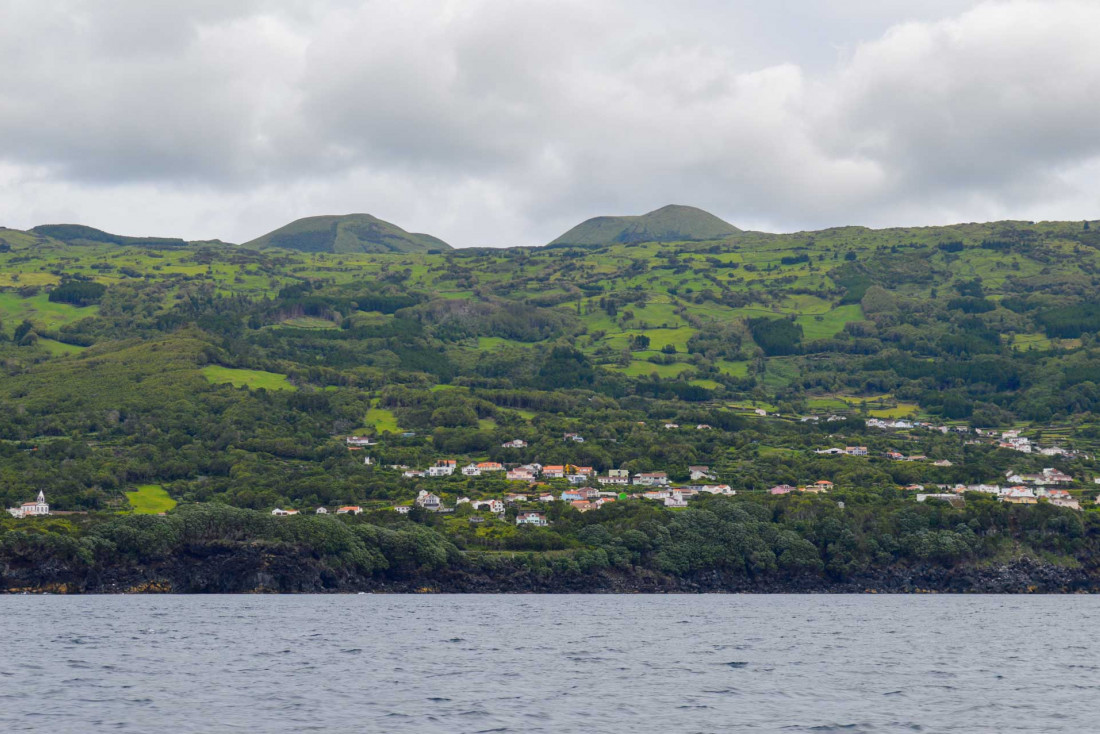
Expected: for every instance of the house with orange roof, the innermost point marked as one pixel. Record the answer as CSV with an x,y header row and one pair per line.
x,y
350,510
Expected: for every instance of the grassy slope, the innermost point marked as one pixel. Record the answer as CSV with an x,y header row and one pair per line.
x,y
346,234
669,313
150,499
252,379
672,223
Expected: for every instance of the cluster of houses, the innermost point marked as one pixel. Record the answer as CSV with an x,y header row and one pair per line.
x,y
846,451
895,455
1020,489
821,486
581,498
38,508
1011,439
346,510
572,473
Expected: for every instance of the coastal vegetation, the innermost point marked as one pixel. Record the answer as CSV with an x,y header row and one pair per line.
x,y
230,376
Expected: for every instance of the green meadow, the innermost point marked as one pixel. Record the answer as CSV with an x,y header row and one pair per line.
x,y
150,499
252,379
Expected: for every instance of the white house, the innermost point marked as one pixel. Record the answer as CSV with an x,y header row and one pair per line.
x,y
321,511
402,509
280,513
717,489
442,468
350,510
37,508
675,499
494,506
428,501
471,470
537,519
360,441
652,479
515,443
700,472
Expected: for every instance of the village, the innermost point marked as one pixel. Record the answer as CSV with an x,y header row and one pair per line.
x,y
1018,488
590,490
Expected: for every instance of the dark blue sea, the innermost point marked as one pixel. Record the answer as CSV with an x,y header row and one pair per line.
x,y
549,664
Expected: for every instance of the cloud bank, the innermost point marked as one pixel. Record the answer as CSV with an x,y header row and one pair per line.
x,y
492,122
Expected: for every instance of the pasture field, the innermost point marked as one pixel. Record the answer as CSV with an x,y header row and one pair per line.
x,y
639,368
382,420
58,349
40,311
252,379
150,499
309,322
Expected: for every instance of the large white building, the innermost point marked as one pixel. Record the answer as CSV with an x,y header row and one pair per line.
x,y
31,509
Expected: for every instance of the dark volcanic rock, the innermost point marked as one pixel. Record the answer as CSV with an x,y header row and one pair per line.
x,y
235,568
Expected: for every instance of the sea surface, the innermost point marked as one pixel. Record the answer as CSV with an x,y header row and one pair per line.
x,y
592,664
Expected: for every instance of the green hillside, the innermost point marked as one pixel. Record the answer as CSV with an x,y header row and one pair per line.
x,y
79,234
227,379
672,223
231,374
346,234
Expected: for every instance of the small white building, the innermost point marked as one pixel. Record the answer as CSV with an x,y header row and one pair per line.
x,y
537,519
322,511
700,472
675,499
38,508
429,501
443,468
494,506
360,441
651,479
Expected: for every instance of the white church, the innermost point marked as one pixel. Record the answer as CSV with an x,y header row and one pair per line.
x,y
31,509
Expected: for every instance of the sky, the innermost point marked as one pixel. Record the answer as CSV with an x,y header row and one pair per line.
x,y
506,122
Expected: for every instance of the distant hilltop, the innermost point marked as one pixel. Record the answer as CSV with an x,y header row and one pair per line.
x,y
672,223
347,233
79,234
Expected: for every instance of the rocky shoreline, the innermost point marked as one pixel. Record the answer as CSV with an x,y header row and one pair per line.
x,y
264,571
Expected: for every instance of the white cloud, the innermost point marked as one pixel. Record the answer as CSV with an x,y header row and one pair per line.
x,y
495,122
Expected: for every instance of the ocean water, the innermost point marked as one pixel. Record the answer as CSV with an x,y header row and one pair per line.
x,y
375,663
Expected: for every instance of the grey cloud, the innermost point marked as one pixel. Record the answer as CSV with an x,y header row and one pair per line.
x,y
496,122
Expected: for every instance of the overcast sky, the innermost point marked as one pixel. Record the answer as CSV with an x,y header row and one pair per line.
x,y
505,122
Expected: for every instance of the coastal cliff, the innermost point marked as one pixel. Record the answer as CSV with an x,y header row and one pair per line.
x,y
228,569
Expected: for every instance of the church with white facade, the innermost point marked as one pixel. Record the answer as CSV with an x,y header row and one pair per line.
x,y
31,509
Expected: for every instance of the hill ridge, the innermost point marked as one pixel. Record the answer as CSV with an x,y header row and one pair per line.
x,y
669,223
346,233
